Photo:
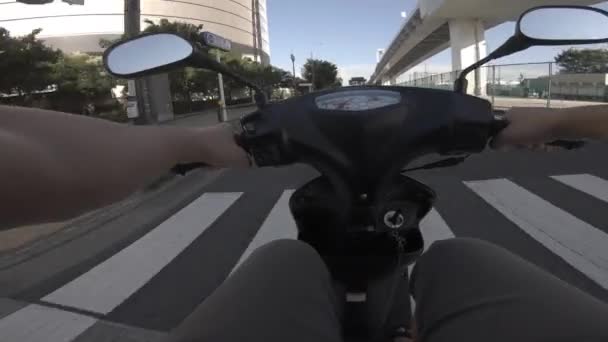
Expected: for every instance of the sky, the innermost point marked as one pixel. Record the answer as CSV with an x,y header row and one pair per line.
x,y
349,32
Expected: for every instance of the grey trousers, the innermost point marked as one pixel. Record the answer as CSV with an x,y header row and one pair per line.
x,y
465,290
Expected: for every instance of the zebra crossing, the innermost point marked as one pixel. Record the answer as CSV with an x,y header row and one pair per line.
x,y
99,293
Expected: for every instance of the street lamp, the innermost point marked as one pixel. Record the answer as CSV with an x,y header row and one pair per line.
x,y
220,43
293,63
312,68
313,65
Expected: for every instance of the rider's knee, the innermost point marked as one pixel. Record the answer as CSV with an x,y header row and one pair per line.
x,y
292,254
443,251
446,262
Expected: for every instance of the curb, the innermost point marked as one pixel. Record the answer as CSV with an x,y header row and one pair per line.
x,y
97,219
81,225
52,261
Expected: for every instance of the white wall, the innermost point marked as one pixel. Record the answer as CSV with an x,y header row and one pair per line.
x,y
231,19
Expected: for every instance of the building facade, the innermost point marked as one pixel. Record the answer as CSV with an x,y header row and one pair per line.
x,y
357,81
79,28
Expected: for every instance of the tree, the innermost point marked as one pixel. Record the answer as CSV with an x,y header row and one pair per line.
x,y
203,83
81,81
583,60
187,31
26,63
325,73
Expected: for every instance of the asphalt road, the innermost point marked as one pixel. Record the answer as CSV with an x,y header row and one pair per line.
x,y
142,286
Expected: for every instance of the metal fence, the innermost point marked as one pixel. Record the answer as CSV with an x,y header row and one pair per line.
x,y
527,84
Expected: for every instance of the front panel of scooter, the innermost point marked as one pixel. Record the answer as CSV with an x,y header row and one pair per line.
x,y
364,133
359,138
362,215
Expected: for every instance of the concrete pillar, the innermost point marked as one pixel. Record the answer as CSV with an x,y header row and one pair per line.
x,y
467,39
389,81
160,98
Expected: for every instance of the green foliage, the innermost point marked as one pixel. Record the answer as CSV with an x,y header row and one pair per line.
x,y
73,83
82,80
325,73
583,60
187,31
25,63
202,82
83,75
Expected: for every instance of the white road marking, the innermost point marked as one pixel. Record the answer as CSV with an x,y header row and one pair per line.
x,y
589,184
35,323
434,228
577,242
110,283
278,225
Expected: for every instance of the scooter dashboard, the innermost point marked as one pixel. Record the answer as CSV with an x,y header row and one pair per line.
x,y
358,100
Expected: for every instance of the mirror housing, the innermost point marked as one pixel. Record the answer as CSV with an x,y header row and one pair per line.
x,y
522,40
126,60
154,53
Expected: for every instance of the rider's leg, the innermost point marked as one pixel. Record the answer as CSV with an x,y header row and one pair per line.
x,y
283,292
470,290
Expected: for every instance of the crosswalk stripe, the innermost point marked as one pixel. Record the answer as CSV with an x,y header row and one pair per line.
x,y
36,323
110,283
577,242
278,225
589,184
434,228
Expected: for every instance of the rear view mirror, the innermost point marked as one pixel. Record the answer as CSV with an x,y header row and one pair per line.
x,y
564,25
160,52
146,54
548,25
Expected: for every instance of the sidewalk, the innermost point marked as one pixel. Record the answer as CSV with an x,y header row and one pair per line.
x,y
508,102
210,117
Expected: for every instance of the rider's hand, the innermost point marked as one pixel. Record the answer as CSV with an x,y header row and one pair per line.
x,y
215,145
528,128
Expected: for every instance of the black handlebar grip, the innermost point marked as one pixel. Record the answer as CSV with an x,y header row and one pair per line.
x,y
182,169
568,144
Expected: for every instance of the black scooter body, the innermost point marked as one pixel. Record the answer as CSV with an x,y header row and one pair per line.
x,y
362,215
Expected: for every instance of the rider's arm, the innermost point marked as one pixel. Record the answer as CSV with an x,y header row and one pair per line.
x,y
589,122
530,126
55,165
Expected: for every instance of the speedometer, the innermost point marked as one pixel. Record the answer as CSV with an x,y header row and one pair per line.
x,y
358,100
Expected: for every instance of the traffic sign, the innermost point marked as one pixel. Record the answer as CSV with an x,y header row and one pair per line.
x,y
215,41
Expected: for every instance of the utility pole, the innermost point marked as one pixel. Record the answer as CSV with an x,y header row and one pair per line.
x,y
138,107
293,63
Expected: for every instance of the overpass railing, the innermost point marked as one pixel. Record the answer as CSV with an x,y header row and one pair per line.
x,y
528,84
